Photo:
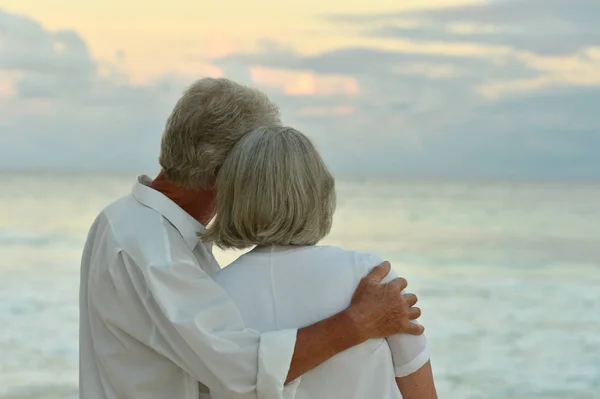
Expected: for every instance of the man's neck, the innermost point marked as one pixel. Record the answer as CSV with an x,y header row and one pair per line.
x,y
197,203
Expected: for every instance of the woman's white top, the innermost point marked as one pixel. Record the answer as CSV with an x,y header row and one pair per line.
x,y
278,288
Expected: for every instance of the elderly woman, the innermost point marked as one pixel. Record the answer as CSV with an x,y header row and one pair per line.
x,y
275,192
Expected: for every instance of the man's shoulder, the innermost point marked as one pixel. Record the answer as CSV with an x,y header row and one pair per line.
x,y
134,227
125,207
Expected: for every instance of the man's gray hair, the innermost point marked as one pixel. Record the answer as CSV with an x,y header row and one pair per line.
x,y
206,122
273,189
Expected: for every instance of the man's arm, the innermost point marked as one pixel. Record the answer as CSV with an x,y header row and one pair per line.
x,y
197,326
376,311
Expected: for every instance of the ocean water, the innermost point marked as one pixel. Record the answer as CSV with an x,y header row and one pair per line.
x,y
508,276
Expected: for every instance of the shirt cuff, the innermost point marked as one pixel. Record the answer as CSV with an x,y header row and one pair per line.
x,y
415,364
274,359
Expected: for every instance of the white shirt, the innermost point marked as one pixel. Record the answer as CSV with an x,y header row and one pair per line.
x,y
279,288
152,321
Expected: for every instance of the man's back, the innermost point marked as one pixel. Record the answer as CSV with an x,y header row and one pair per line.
x,y
122,351
288,287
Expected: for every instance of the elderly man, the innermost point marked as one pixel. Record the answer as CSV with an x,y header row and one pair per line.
x,y
154,325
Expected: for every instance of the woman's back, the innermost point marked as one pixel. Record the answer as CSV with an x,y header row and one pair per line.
x,y
281,287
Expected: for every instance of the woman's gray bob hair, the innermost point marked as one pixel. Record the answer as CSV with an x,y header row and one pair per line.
x,y
273,189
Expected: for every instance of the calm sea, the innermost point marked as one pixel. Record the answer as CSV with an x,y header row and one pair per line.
x,y
508,275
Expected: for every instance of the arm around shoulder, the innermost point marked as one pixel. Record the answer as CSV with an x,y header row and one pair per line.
x,y
192,321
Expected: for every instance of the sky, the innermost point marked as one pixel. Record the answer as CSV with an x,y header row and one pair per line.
x,y
501,89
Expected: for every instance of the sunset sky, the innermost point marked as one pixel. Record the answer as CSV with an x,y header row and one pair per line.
x,y
456,89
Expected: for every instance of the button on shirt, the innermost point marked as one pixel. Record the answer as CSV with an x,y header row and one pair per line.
x,y
153,324
288,287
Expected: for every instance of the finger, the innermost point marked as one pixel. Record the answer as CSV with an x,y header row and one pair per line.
x,y
415,329
414,313
410,299
399,282
379,272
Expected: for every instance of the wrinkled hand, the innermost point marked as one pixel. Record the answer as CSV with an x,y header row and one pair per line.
x,y
381,310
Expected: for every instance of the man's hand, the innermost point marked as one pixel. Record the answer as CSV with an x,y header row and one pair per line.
x,y
377,311
380,310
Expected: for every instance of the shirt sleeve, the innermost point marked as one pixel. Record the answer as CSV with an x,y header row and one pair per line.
x,y
409,352
197,325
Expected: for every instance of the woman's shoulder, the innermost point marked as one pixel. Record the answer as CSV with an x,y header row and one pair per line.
x,y
361,261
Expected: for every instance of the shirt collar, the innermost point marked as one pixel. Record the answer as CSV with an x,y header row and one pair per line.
x,y
187,226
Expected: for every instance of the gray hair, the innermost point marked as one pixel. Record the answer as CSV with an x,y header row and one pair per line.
x,y
273,189
206,122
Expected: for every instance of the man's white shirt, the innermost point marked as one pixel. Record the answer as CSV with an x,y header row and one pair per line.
x,y
152,321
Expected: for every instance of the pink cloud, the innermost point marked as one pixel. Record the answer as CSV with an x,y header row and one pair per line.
x,y
302,83
337,111
7,87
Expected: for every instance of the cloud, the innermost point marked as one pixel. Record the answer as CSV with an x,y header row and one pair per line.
x,y
541,26
63,109
380,109
432,113
352,60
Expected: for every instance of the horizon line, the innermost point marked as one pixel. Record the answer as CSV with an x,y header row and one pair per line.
x,y
342,176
